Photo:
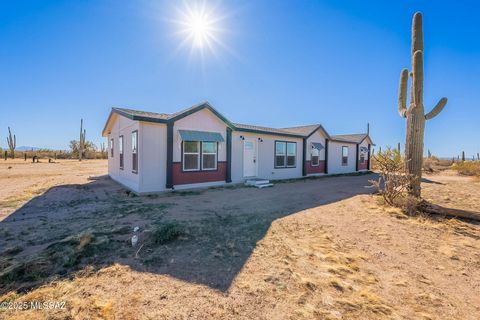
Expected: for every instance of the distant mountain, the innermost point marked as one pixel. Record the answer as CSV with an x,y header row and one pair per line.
x,y
27,148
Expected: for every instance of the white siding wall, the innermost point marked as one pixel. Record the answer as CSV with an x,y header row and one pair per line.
x,y
203,120
124,126
265,157
316,137
335,157
153,149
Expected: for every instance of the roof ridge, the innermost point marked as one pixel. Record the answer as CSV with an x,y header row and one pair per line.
x,y
137,110
258,126
307,125
350,134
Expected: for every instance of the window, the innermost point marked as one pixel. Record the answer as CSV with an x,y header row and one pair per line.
x,y
135,151
120,150
209,155
285,154
191,155
198,155
315,157
362,158
111,147
344,156
280,153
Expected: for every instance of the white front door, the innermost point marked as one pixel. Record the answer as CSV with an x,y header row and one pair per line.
x,y
249,158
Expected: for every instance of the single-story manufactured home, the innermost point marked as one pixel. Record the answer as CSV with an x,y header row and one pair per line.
x,y
152,152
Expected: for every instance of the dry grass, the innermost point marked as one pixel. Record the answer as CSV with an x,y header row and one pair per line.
x,y
467,168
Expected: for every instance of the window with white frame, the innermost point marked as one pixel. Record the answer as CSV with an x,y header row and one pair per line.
x,y
344,156
199,155
209,155
135,151
315,157
285,154
191,155
120,150
111,147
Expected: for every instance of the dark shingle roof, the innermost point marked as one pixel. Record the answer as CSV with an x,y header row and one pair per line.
x,y
302,130
353,138
299,131
143,114
249,127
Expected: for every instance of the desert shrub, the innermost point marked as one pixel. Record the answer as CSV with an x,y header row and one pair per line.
x,y
166,232
428,164
467,168
433,163
393,181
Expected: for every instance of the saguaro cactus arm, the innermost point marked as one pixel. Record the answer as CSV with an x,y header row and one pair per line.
x,y
437,109
417,33
417,85
402,93
12,142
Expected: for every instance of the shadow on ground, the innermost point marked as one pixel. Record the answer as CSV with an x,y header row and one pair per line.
x,y
198,236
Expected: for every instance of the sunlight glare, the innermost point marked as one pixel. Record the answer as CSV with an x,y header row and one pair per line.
x,y
199,26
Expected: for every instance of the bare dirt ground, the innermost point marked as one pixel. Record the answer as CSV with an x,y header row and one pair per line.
x,y
311,249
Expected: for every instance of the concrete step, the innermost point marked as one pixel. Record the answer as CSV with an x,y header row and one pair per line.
x,y
264,185
258,183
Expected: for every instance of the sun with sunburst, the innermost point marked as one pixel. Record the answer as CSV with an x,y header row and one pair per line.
x,y
200,26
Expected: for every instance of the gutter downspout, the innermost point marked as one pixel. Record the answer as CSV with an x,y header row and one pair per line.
x,y
304,158
356,157
169,184
228,175
326,156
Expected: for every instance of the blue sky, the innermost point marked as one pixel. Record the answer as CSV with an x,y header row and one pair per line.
x,y
284,63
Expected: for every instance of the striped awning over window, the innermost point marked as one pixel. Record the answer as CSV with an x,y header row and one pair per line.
x,y
317,145
191,135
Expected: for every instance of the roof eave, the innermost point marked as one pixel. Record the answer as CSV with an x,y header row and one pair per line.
x,y
269,132
323,129
203,105
104,131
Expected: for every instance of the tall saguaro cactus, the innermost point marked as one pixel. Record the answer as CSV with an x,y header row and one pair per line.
x,y
415,113
81,142
12,143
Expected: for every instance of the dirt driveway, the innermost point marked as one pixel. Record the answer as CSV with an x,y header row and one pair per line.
x,y
219,218
320,248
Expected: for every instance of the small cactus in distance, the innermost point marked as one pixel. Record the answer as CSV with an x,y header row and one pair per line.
x,y
81,142
463,155
103,150
415,114
429,154
12,143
